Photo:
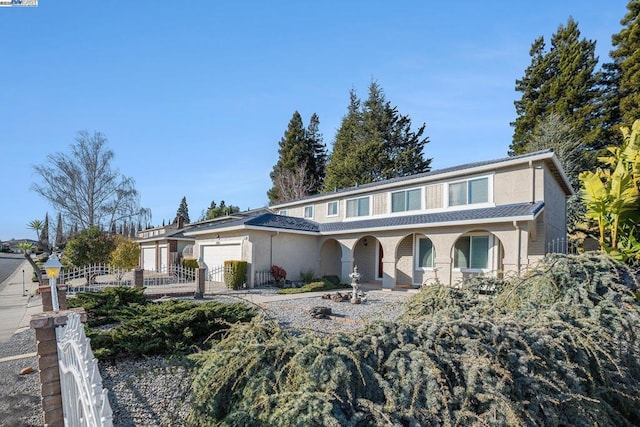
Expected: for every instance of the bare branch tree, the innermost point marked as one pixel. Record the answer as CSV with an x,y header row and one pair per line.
x,y
84,187
292,184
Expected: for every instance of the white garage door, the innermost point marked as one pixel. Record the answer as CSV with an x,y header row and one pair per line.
x,y
215,256
149,259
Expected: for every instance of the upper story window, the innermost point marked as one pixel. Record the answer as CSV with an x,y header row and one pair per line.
x,y
283,212
358,207
469,192
308,211
332,208
408,200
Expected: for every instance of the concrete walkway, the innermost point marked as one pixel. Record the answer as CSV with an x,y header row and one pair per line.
x,y
16,305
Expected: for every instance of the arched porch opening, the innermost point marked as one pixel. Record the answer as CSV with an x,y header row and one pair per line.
x,y
476,253
330,258
368,255
415,260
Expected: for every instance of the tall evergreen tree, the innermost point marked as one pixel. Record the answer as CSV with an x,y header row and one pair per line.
x,y
344,167
299,147
183,211
562,80
624,72
60,240
44,235
375,142
318,162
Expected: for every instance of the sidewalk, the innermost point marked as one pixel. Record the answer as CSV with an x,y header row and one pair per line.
x,y
16,306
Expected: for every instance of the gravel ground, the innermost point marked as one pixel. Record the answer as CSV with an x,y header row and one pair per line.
x,y
19,394
154,391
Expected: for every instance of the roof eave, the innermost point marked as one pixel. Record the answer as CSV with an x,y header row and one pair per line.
x,y
435,177
530,217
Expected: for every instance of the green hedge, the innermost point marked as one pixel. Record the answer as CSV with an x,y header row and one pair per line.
x,y
235,274
190,263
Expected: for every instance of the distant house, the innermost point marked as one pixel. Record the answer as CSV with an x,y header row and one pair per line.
x,y
485,218
163,246
13,244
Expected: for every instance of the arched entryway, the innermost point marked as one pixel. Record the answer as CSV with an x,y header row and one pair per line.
x,y
331,258
415,260
368,255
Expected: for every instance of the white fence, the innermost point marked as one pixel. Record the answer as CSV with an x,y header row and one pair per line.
x,y
262,278
94,277
84,400
170,275
97,277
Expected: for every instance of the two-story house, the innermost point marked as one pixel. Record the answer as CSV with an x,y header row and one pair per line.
x,y
492,218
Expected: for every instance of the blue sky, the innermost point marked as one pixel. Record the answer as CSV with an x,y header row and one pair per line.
x,y
194,96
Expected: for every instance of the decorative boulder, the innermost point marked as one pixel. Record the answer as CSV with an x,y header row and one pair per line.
x,y
320,312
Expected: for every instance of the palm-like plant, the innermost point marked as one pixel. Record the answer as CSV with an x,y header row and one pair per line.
x,y
611,195
36,225
26,247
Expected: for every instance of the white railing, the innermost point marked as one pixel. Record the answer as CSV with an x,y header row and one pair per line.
x,y
216,274
262,278
94,277
170,275
84,401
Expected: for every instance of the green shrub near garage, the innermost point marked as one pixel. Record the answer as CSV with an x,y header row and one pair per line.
x,y
235,274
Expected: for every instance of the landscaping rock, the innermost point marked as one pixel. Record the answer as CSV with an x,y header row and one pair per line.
x,y
338,297
320,312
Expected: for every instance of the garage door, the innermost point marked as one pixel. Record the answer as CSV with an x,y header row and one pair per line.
x,y
149,259
214,256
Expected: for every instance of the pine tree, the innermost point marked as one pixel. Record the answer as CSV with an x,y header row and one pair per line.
x,y
299,147
625,70
562,80
317,164
343,168
44,235
183,211
374,142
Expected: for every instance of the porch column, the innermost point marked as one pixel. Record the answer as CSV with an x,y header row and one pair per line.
x,y
515,249
442,268
388,273
347,269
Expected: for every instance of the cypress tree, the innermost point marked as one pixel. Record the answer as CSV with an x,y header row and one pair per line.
x,y
562,80
44,235
60,241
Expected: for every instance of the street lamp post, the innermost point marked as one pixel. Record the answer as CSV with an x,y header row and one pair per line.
x,y
23,283
53,267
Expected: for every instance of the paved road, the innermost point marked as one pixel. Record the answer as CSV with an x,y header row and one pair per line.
x,y
8,264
